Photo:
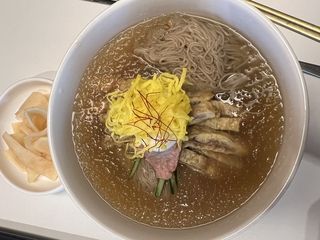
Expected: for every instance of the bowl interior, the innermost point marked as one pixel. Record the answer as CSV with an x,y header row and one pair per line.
x,y
125,13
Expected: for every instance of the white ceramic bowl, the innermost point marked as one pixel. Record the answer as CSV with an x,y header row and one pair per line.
x,y
120,16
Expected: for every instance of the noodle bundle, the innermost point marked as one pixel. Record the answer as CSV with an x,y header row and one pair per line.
x,y
202,47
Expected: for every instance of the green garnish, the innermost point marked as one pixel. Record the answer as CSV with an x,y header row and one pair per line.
x,y
173,183
159,187
135,166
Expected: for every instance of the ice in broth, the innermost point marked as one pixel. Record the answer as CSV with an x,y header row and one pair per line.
x,y
233,137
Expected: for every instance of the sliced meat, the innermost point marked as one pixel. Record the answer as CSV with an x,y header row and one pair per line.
x,y
146,176
214,146
203,111
229,160
209,139
164,163
223,123
199,163
200,96
226,109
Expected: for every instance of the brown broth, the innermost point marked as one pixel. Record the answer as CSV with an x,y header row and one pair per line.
x,y
199,199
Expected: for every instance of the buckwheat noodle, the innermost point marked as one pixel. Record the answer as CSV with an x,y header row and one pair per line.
x,y
204,48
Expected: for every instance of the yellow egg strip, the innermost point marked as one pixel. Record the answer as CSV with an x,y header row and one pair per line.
x,y
152,111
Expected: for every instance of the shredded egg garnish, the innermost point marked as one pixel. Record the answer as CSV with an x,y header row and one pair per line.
x,y
152,112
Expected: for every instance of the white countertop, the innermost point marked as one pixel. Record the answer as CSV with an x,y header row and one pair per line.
x,y
34,36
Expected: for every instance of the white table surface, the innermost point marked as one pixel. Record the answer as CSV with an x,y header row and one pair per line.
x,y
34,36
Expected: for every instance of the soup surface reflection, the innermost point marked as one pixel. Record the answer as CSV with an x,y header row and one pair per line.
x,y
199,199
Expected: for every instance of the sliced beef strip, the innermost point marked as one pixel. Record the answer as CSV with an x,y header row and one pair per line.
x,y
223,123
203,111
229,160
164,163
146,176
226,109
214,146
200,96
218,141
199,163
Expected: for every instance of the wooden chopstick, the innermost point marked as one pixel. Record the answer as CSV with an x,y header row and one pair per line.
x,y
298,25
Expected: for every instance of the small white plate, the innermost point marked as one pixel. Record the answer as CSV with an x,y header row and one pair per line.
x,y
10,101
